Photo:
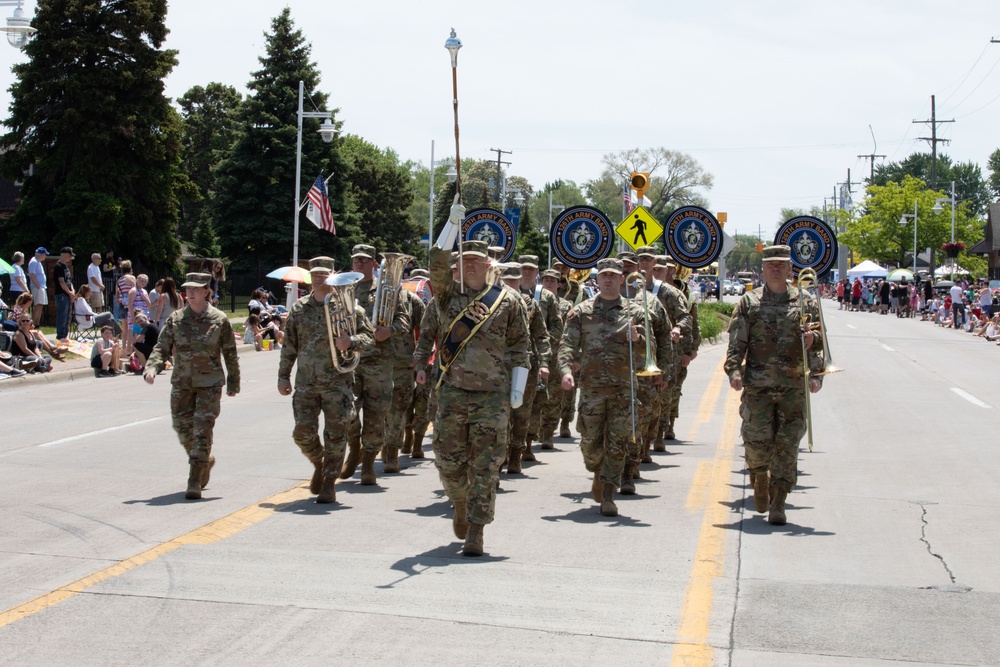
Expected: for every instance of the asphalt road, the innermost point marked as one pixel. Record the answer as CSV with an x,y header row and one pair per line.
x,y
889,556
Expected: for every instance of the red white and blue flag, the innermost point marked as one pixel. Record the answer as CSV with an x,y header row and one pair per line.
x,y
627,199
319,206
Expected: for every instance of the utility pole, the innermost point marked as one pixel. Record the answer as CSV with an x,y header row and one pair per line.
x,y
871,156
500,152
933,139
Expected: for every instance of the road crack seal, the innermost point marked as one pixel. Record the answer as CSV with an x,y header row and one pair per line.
x,y
923,537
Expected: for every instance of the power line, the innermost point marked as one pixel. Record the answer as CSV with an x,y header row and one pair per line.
x,y
934,140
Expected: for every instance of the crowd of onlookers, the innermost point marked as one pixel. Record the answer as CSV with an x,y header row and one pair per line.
x,y
971,306
114,308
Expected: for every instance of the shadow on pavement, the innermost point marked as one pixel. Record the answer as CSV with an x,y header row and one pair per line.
x,y
170,499
442,508
307,507
592,514
443,556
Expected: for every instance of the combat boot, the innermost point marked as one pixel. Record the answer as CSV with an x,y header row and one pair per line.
x,y
608,507
646,458
776,513
547,438
194,481
514,461
761,498
390,459
633,469
353,458
596,487
206,472
367,468
564,429
407,441
459,522
669,434
316,483
327,493
527,454
473,540
418,446
628,484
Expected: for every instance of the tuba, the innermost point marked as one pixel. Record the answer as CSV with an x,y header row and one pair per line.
x,y
390,275
339,306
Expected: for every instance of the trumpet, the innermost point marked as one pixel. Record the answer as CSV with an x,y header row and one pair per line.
x,y
390,275
638,281
340,320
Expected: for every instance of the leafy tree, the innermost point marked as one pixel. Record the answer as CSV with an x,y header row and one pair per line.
x,y
94,139
744,257
970,186
255,184
531,241
209,116
476,192
877,234
674,177
380,195
994,166
564,193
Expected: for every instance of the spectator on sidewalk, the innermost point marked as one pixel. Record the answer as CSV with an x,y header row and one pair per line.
x,y
18,281
957,306
124,285
29,348
62,285
38,283
86,317
96,283
166,303
105,356
144,336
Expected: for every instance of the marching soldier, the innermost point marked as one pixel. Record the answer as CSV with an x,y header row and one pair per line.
x,y
477,326
541,352
403,379
417,416
690,342
549,307
198,338
547,406
764,361
319,386
373,380
595,344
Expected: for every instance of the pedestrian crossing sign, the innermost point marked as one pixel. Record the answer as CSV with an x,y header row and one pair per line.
x,y
639,228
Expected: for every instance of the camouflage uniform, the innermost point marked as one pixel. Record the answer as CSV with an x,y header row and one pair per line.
x,y
541,352
567,404
319,387
766,331
547,408
552,322
403,382
198,343
596,337
473,399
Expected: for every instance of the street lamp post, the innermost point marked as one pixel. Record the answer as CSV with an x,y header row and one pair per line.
x,y
452,175
556,208
18,28
327,130
902,223
937,209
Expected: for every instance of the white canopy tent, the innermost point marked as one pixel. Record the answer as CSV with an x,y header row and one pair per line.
x,y
946,270
867,269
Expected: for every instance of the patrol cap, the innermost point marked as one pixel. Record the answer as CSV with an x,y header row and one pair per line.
x,y
646,251
321,264
496,251
197,279
530,261
557,265
551,273
419,273
511,271
475,248
669,262
626,256
453,260
610,266
362,250
777,253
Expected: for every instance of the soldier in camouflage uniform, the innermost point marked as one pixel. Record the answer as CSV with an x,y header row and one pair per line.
x,y
766,331
596,343
473,396
403,377
198,337
373,380
541,352
572,291
417,416
319,386
547,405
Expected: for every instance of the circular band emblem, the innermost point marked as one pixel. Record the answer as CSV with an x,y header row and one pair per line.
x,y
693,237
813,243
581,236
491,226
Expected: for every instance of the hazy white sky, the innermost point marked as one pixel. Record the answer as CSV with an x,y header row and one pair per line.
x,y
773,98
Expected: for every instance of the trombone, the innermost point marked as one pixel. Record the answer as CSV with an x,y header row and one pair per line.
x,y
638,282
808,278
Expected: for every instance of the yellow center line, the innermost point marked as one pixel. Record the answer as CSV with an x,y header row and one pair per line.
x,y
707,406
217,530
691,642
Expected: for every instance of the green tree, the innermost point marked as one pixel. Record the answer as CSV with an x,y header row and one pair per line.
x,y
380,195
564,193
994,166
255,184
744,257
877,234
675,178
94,139
209,117
530,240
970,186
476,193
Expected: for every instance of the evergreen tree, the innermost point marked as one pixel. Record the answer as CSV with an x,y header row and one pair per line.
x,y
530,241
209,117
92,136
255,184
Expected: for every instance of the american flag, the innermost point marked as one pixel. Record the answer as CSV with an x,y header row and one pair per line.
x,y
319,206
627,199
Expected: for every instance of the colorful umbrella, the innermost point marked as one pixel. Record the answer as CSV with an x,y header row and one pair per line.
x,y
5,267
292,274
899,275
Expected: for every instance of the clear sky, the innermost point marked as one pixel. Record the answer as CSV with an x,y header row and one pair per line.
x,y
773,98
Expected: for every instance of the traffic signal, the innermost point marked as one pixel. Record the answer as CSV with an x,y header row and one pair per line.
x,y
722,217
640,183
760,247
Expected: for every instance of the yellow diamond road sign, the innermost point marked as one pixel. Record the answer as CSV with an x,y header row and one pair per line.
x,y
639,228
